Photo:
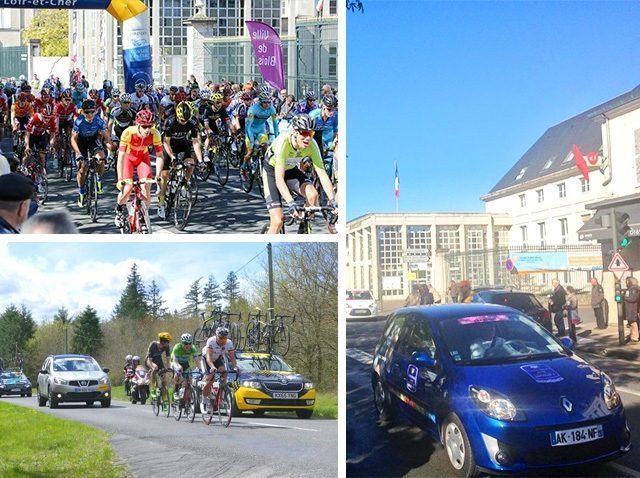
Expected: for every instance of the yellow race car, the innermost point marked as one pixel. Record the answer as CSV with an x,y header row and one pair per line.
x,y
267,383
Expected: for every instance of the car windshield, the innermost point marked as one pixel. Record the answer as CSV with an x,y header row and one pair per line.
x,y
75,364
10,375
260,364
359,295
523,302
497,338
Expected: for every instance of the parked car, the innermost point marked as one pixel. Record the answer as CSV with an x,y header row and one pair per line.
x,y
267,383
14,383
360,303
73,378
523,301
500,392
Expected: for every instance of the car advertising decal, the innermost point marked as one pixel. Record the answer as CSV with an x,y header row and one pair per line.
x,y
412,377
541,373
409,401
482,318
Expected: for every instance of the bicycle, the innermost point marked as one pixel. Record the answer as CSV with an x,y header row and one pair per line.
x,y
274,335
161,400
38,174
91,189
138,221
18,144
220,400
306,215
179,194
188,397
218,318
237,149
66,158
217,155
255,172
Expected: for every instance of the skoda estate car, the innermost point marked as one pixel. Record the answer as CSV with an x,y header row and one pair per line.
x,y
73,378
500,392
14,383
267,383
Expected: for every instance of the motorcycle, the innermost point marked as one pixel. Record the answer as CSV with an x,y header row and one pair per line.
x,y
140,385
128,375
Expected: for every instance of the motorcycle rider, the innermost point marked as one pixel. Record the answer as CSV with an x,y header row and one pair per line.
x,y
140,381
129,370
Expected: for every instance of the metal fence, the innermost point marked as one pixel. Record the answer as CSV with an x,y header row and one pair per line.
x,y
13,61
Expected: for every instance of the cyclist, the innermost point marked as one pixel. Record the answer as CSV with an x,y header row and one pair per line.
x,y
94,95
79,94
88,131
213,352
213,112
4,106
133,152
283,166
21,112
106,91
111,102
325,120
140,99
45,98
154,357
256,126
122,116
168,105
308,104
127,369
40,133
180,135
181,356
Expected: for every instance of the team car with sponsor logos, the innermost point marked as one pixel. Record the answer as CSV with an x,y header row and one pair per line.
x,y
73,378
13,382
500,392
267,383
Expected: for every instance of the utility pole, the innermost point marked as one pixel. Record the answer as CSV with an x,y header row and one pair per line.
x,y
271,288
66,341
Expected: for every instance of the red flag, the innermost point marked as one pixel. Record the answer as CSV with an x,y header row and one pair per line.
x,y
580,162
397,182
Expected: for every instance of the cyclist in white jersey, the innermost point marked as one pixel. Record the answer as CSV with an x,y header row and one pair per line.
x,y
213,352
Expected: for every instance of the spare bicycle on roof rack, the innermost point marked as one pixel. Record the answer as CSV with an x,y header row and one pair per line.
x,y
271,335
218,318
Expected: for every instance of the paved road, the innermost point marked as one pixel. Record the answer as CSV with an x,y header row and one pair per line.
x,y
250,447
404,450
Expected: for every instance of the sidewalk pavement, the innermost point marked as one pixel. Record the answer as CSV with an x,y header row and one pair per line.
x,y
603,342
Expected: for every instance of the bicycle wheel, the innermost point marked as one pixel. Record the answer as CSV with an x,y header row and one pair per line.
x,y
190,404
222,167
176,409
193,186
235,333
252,337
144,221
258,178
166,402
199,338
68,168
182,207
224,405
155,403
280,341
207,415
42,183
203,171
246,180
93,204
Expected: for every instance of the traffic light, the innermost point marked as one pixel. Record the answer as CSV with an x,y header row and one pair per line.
x,y
623,229
618,291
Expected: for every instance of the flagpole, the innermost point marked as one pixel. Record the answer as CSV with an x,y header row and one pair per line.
x,y
396,184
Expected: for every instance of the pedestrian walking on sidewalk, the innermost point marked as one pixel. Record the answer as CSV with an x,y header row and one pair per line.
x,y
413,298
437,299
597,303
631,301
572,306
454,291
557,301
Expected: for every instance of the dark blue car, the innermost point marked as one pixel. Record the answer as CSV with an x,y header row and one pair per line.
x,y
499,391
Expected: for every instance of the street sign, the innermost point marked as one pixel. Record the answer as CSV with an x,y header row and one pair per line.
x,y
416,256
618,264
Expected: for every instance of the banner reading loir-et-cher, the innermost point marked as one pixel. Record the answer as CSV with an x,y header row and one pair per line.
x,y
121,9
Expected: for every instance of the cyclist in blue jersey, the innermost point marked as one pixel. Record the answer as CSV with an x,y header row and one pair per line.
x,y
325,120
308,104
87,137
256,125
78,95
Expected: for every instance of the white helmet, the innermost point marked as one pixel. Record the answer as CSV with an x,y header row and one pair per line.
x,y
22,78
186,339
128,357
135,358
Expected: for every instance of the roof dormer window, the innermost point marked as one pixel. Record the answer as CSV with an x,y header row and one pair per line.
x,y
548,164
520,174
568,158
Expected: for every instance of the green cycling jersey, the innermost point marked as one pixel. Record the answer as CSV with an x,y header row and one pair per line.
x,y
282,153
182,355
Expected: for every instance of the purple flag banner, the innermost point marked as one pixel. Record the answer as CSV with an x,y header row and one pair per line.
x,y
268,50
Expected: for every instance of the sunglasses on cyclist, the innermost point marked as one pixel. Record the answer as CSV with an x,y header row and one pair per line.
x,y
306,134
66,100
330,108
146,127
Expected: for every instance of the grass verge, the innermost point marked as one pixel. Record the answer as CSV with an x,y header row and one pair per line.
x,y
39,445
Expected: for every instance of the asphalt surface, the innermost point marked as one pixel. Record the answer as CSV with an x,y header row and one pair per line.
x,y
250,447
400,449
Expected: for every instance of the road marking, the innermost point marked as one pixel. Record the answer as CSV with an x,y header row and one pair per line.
x,y
624,469
360,356
283,426
626,390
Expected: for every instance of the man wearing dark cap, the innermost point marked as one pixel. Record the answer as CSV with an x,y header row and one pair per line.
x,y
16,192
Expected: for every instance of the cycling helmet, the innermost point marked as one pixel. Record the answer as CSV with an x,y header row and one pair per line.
x,y
88,105
79,86
165,336
141,86
222,332
23,97
205,95
186,339
125,98
217,97
21,78
46,109
44,92
173,89
107,84
302,122
115,92
144,118
266,89
65,95
128,358
264,98
181,96
183,111
26,87
93,93
135,359
311,96
330,101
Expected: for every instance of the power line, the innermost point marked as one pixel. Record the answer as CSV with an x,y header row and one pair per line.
x,y
251,260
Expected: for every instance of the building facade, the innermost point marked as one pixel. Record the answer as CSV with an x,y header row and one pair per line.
x,y
12,21
389,253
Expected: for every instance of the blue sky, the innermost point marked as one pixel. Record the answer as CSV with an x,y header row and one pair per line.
x,y
44,276
457,92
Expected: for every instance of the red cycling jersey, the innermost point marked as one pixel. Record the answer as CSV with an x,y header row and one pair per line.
x,y
39,102
37,127
136,151
66,113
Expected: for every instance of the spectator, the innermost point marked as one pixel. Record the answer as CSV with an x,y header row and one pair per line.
x,y
426,297
50,222
35,82
631,307
413,298
557,301
16,192
454,291
437,298
464,294
287,108
326,90
84,82
572,306
598,303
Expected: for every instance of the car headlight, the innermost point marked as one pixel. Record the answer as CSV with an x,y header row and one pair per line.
x,y
495,405
104,379
60,381
250,384
611,396
308,385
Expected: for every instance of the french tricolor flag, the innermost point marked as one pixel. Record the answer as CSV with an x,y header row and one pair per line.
x,y
319,6
397,182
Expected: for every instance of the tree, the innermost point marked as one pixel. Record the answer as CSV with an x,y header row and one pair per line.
x,y
133,301
211,294
62,316
231,289
52,29
193,299
354,5
16,328
155,302
87,333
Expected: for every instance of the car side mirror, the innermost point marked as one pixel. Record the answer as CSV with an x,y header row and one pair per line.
x,y
423,359
44,371
106,370
567,342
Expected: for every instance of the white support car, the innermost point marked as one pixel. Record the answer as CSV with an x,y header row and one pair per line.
x,y
360,303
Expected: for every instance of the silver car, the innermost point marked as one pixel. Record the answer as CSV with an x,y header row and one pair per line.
x,y
73,378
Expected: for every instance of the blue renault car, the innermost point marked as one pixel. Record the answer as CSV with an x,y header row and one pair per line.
x,y
500,392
